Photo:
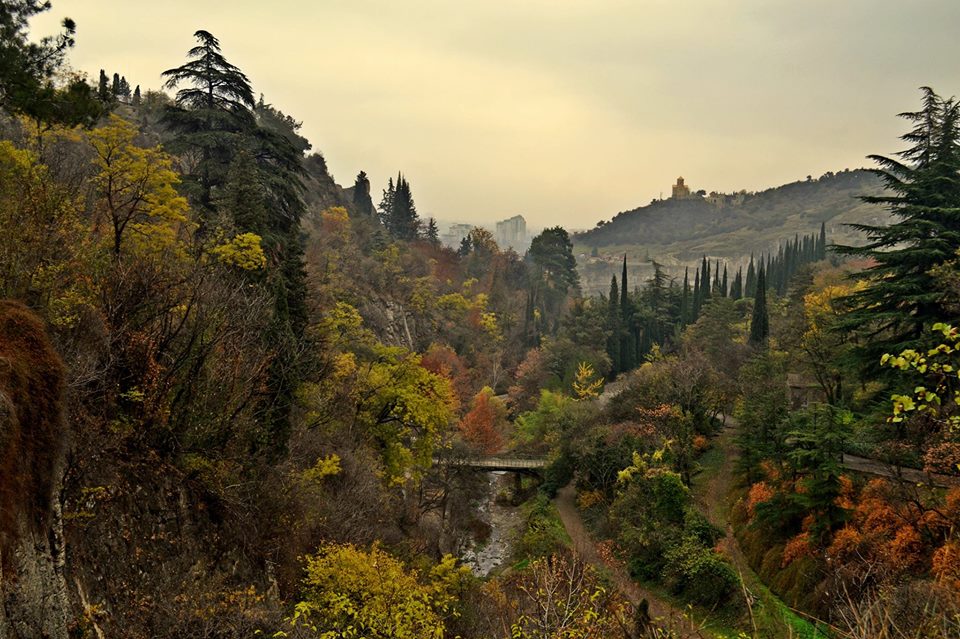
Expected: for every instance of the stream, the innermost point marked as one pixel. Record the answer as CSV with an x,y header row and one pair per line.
x,y
483,557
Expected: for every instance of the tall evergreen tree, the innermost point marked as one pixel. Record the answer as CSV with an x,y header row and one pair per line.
x,y
137,99
212,112
628,342
685,298
613,326
697,298
750,285
760,321
433,233
821,252
923,193
723,285
386,203
736,291
706,282
103,87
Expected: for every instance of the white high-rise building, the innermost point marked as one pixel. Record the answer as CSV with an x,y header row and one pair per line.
x,y
512,233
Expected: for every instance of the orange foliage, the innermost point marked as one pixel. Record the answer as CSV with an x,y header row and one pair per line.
x,y
846,498
799,546
845,543
440,359
759,493
770,469
946,564
482,426
700,444
904,550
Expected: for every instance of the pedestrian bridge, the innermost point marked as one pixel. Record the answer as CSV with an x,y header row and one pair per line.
x,y
529,465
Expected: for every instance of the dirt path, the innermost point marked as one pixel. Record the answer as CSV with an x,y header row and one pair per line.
x,y
586,548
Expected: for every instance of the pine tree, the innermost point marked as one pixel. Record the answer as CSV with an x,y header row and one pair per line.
x,y
433,233
124,88
760,321
903,297
386,203
403,220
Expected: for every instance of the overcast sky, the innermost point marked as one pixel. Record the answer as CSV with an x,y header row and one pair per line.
x,y
566,111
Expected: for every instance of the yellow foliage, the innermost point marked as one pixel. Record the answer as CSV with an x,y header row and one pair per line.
x,y
325,467
351,593
137,191
45,253
584,385
243,251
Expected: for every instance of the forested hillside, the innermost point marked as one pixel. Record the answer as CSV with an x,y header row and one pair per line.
x,y
238,400
677,232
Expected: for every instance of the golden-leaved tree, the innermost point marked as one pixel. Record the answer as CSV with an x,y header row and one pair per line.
x,y
45,255
352,593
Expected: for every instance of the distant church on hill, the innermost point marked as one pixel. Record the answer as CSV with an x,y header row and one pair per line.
x,y
681,191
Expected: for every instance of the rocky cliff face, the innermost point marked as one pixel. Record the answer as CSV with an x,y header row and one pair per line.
x,y
33,593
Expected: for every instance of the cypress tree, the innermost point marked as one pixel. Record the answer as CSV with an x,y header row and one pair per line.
x,y
115,86
736,291
628,344
103,87
613,326
685,298
821,252
695,310
137,100
705,280
723,285
750,285
760,321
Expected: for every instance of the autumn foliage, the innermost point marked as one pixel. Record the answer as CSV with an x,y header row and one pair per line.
x,y
483,426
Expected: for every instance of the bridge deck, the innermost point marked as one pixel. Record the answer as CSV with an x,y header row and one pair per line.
x,y
496,463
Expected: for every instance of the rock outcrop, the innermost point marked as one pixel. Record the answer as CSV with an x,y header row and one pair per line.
x,y
33,434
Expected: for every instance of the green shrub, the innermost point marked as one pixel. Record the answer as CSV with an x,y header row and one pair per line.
x,y
699,573
543,533
695,524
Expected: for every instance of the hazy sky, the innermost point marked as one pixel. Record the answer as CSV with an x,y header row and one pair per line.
x,y
566,111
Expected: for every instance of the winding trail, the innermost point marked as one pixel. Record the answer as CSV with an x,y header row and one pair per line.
x,y
661,612
712,488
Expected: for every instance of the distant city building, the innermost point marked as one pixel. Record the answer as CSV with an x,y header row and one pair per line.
x,y
455,234
512,234
681,191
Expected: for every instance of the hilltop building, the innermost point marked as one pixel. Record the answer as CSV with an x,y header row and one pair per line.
x,y
512,233
681,191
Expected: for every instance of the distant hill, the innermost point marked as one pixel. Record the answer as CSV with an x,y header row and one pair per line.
x,y
678,232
